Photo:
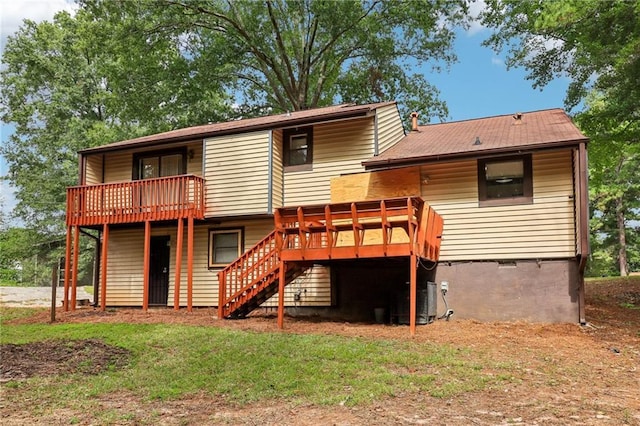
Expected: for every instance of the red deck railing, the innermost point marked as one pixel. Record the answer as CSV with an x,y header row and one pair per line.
x,y
164,198
253,275
362,229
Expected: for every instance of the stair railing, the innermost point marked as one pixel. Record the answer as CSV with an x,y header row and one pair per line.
x,y
249,274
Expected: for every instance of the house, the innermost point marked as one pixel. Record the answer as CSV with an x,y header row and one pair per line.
x,y
336,211
512,191
179,212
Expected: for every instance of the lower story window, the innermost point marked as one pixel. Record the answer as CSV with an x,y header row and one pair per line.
x,y
503,181
225,246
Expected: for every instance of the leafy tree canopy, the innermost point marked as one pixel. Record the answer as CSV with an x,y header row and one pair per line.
x,y
285,55
614,161
593,42
119,69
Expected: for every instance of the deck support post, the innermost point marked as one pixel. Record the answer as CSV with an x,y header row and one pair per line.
x,y
147,262
282,274
176,287
190,263
67,266
74,276
103,267
413,263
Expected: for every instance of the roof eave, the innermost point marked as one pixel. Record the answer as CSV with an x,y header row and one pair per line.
x,y
138,143
413,161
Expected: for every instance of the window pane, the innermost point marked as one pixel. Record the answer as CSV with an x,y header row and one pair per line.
x,y
505,179
225,247
171,165
298,142
498,189
149,168
224,255
505,170
298,150
226,240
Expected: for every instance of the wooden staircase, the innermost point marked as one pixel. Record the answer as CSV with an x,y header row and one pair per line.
x,y
253,278
396,227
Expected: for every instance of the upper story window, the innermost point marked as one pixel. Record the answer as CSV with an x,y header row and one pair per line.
x,y
159,164
298,148
503,181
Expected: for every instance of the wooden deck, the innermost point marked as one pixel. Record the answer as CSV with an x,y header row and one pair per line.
x,y
167,198
362,229
397,227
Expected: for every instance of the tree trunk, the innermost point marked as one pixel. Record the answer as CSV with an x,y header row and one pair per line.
x,y
622,240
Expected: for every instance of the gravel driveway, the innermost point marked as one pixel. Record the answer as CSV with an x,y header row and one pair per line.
x,y
36,297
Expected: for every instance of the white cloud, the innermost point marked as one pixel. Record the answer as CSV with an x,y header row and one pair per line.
x,y
475,8
497,61
13,12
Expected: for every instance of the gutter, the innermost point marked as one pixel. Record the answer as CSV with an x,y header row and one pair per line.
x,y
151,140
434,158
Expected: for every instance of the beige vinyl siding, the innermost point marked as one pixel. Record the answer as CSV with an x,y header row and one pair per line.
x,y
118,167
338,148
237,173
93,170
541,230
277,172
194,165
314,287
125,267
390,129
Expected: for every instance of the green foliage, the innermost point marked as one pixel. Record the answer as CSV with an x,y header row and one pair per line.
x,y
593,42
614,161
596,44
289,55
78,82
119,69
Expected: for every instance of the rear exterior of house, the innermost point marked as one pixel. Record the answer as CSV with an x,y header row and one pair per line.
x,y
184,214
174,209
512,191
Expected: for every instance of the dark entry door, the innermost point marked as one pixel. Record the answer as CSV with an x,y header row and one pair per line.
x,y
159,271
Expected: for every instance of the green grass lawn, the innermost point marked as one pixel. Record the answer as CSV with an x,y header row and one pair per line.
x,y
174,361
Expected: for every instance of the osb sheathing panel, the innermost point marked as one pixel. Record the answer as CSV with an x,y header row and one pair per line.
x,y
376,185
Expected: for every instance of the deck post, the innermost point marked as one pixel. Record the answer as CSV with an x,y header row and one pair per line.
x,y
281,278
103,267
67,266
412,293
74,276
147,262
190,263
176,287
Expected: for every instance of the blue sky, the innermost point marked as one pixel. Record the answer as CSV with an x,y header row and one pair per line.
x,y
479,85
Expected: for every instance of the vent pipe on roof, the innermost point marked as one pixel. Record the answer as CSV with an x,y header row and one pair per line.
x,y
414,121
518,117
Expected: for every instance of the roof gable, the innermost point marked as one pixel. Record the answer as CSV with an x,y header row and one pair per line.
x,y
483,136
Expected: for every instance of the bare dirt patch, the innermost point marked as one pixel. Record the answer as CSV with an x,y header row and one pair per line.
x,y
55,357
560,373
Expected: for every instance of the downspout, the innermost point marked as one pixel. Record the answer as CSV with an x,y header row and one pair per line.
x,y
376,148
585,250
81,169
270,178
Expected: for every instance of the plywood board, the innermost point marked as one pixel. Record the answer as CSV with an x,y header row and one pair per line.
x,y
376,185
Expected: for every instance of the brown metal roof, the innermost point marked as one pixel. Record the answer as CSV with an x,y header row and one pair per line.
x,y
499,134
295,118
